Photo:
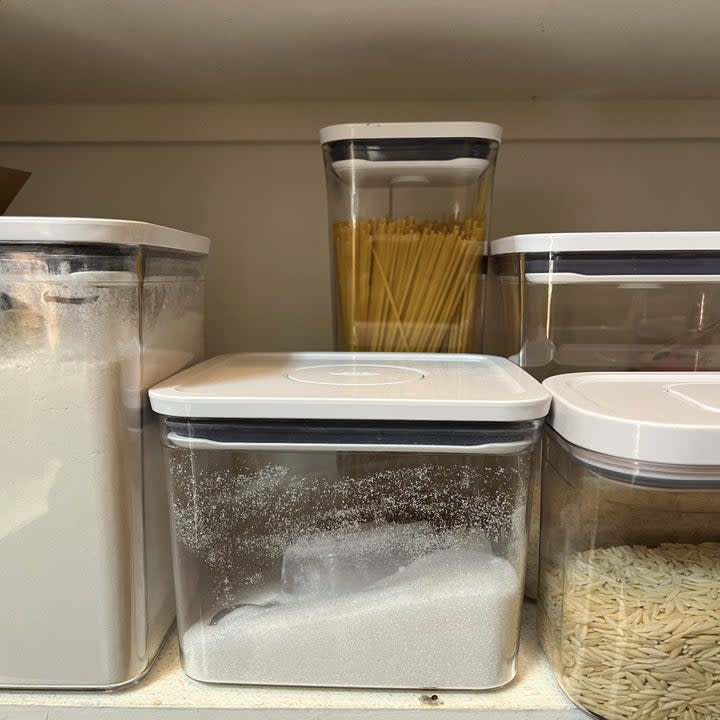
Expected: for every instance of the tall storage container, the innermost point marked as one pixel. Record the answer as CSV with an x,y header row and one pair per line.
x,y
409,209
350,520
567,302
92,312
629,605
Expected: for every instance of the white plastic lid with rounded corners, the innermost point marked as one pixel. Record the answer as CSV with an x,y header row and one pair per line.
x,y
655,417
354,386
98,231
607,242
405,130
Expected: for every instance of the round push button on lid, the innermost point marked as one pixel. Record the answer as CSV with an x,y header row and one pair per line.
x,y
355,374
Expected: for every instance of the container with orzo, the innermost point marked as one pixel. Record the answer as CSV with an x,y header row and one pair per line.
x,y
629,597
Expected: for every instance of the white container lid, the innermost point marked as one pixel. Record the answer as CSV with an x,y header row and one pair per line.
x,y
96,231
400,130
607,242
654,417
354,386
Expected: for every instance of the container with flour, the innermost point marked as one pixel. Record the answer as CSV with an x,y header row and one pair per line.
x,y
92,312
350,520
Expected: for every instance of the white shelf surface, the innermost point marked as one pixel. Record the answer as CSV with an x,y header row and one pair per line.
x,y
167,694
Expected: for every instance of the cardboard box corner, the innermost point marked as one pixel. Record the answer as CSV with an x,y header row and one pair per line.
x,y
11,182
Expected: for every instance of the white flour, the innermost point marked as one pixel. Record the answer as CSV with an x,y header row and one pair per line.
x,y
449,619
86,588
65,608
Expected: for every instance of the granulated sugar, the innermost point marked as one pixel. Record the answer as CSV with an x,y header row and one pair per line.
x,y
447,620
365,569
347,560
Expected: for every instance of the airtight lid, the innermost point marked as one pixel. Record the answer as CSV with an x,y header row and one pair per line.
x,y
96,231
654,417
383,154
411,130
354,386
607,242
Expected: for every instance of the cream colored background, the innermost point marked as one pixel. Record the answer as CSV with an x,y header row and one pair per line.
x,y
251,179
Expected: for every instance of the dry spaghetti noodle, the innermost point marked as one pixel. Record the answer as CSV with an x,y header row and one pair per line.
x,y
408,285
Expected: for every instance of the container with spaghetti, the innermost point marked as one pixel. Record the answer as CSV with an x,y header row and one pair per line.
x,y
408,208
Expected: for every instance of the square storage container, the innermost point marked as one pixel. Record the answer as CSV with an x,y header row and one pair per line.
x,y
566,302
92,312
409,210
350,520
629,602
585,302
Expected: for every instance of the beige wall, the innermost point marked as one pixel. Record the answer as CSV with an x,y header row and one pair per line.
x,y
262,203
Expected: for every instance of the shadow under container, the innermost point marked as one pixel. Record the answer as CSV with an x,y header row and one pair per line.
x,y
92,313
350,521
629,593
409,210
591,302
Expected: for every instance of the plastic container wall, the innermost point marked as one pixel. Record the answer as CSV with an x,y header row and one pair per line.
x,y
349,565
172,339
558,322
629,583
408,222
84,553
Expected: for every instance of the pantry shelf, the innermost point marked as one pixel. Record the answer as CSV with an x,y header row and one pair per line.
x,y
167,694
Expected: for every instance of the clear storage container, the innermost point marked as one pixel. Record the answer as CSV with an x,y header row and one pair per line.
x,y
350,520
629,602
409,207
568,302
92,312
572,302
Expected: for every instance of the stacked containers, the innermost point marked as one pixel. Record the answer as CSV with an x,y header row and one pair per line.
x,y
92,312
409,208
350,520
629,602
571,302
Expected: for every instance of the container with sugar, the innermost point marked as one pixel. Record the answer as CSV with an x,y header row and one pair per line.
x,y
350,520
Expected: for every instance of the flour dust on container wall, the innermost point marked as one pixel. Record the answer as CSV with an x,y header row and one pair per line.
x,y
92,312
409,211
350,521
